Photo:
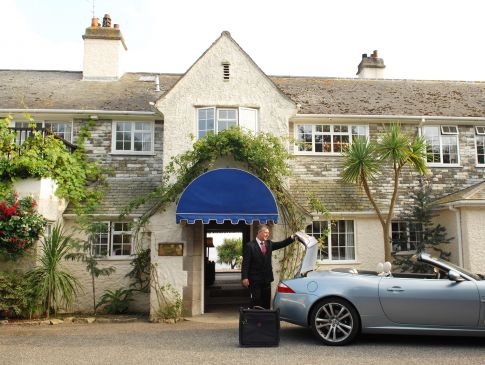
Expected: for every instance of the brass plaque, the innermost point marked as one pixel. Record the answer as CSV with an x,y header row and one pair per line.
x,y
170,249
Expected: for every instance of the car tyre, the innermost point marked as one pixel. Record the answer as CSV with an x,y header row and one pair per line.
x,y
335,321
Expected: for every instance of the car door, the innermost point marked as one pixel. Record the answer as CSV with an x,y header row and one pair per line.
x,y
434,302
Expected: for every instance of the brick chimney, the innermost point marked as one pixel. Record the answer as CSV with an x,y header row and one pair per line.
x,y
371,67
104,48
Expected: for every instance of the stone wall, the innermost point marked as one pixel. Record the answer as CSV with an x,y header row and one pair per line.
x,y
98,147
321,175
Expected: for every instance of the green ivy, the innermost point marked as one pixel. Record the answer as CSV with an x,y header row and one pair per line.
x,y
264,155
40,156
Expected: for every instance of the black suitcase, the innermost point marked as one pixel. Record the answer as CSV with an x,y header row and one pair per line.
x,y
259,327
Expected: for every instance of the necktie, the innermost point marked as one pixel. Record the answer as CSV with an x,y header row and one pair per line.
x,y
263,247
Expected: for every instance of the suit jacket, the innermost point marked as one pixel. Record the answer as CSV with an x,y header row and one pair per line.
x,y
256,267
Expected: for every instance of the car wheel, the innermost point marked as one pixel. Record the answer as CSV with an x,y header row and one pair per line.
x,y
335,321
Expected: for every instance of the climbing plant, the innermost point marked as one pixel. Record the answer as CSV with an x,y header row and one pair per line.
x,y
264,155
42,156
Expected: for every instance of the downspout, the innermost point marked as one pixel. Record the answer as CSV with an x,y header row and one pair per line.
x,y
458,234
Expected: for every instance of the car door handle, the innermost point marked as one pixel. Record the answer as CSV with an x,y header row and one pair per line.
x,y
395,289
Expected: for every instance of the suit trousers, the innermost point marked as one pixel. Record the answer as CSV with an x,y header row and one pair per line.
x,y
260,294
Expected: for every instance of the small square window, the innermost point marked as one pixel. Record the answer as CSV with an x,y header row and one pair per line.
x,y
480,130
449,129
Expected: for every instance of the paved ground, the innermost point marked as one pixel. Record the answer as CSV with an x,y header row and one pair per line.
x,y
215,341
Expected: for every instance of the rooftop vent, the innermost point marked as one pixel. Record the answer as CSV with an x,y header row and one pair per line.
x,y
225,71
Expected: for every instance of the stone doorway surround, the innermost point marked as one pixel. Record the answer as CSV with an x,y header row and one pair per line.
x,y
223,289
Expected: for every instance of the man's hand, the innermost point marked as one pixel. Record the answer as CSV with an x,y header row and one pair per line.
x,y
245,283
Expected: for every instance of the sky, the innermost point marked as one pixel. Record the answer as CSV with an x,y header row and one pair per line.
x,y
418,39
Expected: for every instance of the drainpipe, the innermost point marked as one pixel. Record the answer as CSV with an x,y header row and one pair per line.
x,y
420,127
458,234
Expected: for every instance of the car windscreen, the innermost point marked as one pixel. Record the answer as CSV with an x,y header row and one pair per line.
x,y
460,269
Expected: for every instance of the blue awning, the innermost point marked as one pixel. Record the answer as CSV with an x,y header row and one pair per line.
x,y
227,194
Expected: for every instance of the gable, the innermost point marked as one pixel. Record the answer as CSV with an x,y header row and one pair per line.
x,y
225,74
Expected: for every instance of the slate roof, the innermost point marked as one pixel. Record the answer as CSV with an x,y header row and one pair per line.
x,y
472,193
337,195
121,191
67,90
385,97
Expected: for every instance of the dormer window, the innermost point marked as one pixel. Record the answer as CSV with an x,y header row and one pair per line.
x,y
225,71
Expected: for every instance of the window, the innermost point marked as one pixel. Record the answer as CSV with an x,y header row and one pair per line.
x,y
327,138
480,144
112,239
405,236
62,129
133,137
214,120
442,144
339,245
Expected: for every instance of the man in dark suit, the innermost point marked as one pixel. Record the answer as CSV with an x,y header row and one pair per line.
x,y
257,268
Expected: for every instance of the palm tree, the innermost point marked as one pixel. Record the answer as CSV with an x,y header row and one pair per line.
x,y
54,287
365,160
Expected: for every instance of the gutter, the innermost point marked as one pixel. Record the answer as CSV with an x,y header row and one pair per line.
x,y
77,111
417,118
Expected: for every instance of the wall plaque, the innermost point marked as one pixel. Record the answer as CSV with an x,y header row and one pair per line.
x,y
170,249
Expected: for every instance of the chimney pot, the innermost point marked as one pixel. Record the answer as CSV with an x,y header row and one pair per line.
x,y
107,21
371,67
94,22
116,26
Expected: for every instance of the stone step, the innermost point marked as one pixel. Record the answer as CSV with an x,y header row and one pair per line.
x,y
236,292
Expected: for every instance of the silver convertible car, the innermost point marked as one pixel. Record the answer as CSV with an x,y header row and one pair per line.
x,y
338,305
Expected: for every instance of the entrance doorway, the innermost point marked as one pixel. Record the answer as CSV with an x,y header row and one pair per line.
x,y
222,289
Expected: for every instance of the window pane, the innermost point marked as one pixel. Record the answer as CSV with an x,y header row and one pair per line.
x,y
123,136
62,129
227,118
205,121
304,137
122,244
99,240
143,137
480,149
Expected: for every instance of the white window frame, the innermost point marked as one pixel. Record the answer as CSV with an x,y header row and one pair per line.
x,y
110,234
444,131
241,115
132,151
42,123
479,135
331,133
328,239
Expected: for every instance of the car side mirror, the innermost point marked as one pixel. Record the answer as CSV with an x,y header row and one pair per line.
x,y
454,276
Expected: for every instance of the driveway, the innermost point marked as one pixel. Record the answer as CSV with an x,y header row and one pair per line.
x,y
202,342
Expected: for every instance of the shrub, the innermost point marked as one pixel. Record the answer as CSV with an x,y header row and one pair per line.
x,y
20,225
54,287
115,302
16,300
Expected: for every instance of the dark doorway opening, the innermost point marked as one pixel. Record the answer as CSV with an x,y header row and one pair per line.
x,y
223,290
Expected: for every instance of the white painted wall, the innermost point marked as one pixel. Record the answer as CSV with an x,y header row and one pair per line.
x,y
473,219
103,59
203,86
369,245
43,191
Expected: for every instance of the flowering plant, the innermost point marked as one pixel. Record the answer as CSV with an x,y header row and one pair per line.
x,y
20,225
